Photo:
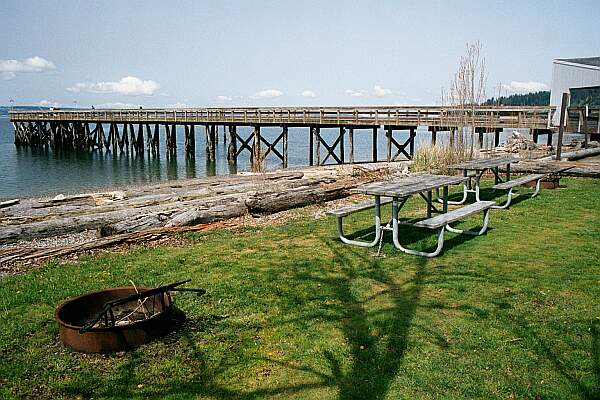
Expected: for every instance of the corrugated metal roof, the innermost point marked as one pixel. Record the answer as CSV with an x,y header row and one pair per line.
x,y
592,61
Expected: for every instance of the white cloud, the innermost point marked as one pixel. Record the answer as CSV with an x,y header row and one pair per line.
x,y
381,92
10,68
48,103
33,64
525,87
118,105
129,85
355,93
267,94
223,99
308,93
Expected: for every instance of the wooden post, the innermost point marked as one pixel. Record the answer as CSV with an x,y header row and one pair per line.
x,y
318,142
434,135
101,138
285,146
411,145
186,138
210,142
155,139
585,130
388,134
351,144
191,150
497,137
256,147
342,150
125,138
232,148
452,137
132,139
549,138
174,140
140,139
310,145
561,127
374,144
148,138
535,134
167,140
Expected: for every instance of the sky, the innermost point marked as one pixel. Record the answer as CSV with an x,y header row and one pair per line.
x,y
281,53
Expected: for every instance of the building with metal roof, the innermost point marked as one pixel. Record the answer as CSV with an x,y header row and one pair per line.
x,y
573,73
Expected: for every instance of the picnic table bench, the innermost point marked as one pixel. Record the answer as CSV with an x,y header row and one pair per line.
x,y
510,185
400,191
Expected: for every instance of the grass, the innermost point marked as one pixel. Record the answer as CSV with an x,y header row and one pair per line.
x,y
293,313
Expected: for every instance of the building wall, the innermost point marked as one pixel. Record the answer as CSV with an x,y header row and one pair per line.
x,y
568,75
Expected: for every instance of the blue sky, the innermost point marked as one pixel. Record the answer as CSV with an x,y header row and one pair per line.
x,y
224,53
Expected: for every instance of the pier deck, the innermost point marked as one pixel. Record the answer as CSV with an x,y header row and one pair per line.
x,y
137,130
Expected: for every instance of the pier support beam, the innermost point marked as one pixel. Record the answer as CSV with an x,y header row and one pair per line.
x,y
285,146
374,144
351,144
210,131
331,149
256,157
311,146
497,132
190,141
232,148
433,131
400,147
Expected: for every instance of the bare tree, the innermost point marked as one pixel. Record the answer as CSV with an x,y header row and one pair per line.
x,y
467,91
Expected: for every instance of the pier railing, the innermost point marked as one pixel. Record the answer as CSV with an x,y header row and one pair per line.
x,y
486,117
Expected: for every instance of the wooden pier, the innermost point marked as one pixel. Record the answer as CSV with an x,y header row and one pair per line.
x,y
137,131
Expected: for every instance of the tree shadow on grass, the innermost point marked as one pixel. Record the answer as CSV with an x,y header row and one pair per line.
x,y
376,337
595,331
522,329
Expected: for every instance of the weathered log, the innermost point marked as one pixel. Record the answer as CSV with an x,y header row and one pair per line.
x,y
266,203
180,203
27,254
9,203
575,155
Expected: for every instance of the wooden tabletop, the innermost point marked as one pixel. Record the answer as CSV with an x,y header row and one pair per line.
x,y
545,167
483,163
408,186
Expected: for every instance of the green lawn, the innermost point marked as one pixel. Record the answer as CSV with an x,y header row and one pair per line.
x,y
291,312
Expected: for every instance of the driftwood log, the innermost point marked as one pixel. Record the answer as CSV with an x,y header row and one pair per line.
x,y
576,154
181,203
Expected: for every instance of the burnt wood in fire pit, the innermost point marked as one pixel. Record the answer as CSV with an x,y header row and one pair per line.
x,y
116,319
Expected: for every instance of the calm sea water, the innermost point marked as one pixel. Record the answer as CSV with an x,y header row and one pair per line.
x,y
29,172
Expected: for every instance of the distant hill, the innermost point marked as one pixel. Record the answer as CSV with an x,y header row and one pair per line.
x,y
527,99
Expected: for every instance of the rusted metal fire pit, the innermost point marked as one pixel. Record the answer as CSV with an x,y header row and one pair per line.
x,y
116,319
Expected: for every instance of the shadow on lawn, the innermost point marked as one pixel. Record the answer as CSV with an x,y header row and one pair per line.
x,y
595,330
376,336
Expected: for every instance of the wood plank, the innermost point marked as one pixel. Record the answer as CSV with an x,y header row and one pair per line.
x,y
352,208
519,181
455,215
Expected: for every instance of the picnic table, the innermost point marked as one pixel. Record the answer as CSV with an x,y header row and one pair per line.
x,y
479,167
400,191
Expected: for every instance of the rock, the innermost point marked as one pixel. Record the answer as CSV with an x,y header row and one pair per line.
x,y
517,142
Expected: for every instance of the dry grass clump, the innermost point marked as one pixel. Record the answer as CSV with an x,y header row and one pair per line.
x,y
439,157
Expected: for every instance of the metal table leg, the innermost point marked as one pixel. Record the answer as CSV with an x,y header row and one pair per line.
x,y
378,228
